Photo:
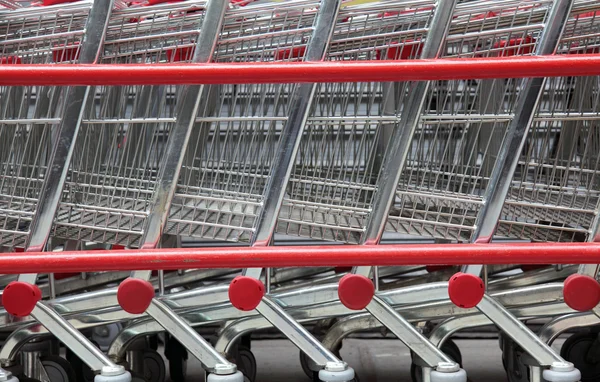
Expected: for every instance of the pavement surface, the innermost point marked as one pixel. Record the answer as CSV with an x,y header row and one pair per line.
x,y
374,360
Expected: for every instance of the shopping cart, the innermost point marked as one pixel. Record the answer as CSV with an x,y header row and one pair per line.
x,y
229,162
106,158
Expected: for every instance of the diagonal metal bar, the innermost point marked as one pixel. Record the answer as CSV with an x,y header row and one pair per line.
x,y
508,157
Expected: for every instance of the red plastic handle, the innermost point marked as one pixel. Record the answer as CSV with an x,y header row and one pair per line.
x,y
302,72
307,256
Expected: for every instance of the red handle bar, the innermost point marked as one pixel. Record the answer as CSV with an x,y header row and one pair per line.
x,y
302,72
297,256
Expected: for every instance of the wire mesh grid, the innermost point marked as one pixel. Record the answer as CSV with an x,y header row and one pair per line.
x,y
457,142
556,188
122,137
228,161
30,115
335,176
220,189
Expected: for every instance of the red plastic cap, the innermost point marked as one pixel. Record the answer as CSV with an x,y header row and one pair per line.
x,y
66,53
180,54
290,53
465,290
356,291
11,60
581,293
245,293
135,295
62,276
19,298
515,46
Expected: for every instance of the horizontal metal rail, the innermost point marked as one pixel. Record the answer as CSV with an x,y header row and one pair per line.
x,y
301,72
300,256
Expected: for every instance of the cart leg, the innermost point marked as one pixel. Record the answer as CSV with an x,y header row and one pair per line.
x,y
445,368
322,356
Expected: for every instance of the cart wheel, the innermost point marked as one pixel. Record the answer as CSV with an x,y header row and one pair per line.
x,y
177,355
26,379
104,335
518,374
304,361
246,341
137,378
583,350
83,373
153,342
449,348
315,377
58,369
154,367
246,363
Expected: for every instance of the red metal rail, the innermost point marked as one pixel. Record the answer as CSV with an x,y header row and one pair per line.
x,y
302,72
296,256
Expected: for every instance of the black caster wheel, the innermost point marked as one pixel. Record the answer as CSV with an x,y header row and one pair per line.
x,y
58,369
315,377
137,378
177,356
304,363
246,342
103,336
83,373
516,371
27,379
153,342
154,367
449,348
514,375
246,363
583,350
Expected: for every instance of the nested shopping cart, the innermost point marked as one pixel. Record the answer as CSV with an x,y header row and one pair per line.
x,y
143,165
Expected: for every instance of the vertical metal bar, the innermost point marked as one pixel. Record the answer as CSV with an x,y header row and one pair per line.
x,y
592,270
60,158
71,337
161,282
400,141
190,100
54,180
291,136
508,157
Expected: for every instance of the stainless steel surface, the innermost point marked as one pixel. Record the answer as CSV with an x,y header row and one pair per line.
x,y
296,333
517,132
193,342
400,141
550,332
406,332
518,332
74,340
144,166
